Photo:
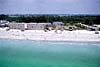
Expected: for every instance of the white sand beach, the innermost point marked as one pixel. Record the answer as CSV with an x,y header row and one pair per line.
x,y
78,35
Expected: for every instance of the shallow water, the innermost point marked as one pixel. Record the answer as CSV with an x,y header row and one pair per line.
x,y
23,53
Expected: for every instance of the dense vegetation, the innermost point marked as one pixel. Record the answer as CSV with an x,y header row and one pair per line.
x,y
86,19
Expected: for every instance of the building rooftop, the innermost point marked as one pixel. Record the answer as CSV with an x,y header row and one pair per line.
x,y
58,22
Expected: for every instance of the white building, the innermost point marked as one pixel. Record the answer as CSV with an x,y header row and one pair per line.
x,y
3,23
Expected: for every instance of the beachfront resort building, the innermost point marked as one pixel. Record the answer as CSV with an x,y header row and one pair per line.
x,y
20,26
36,26
27,26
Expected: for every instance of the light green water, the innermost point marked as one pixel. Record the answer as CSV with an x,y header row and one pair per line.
x,y
22,53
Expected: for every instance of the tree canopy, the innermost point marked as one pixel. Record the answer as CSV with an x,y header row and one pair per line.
x,y
88,19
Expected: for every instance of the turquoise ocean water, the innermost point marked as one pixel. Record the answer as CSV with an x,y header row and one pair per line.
x,y
23,53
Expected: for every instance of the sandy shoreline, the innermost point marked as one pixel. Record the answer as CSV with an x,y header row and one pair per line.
x,y
79,35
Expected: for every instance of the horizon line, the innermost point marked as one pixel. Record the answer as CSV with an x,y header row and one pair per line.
x,y
49,14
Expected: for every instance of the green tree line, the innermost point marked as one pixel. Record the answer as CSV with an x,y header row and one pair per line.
x,y
51,18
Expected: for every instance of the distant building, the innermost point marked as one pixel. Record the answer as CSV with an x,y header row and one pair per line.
x,y
20,26
28,26
3,23
58,23
36,26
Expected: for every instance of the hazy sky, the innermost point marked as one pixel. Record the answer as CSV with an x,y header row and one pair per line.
x,y
49,6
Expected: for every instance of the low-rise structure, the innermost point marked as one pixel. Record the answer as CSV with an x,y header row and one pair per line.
x,y
20,26
36,26
3,23
27,26
58,23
